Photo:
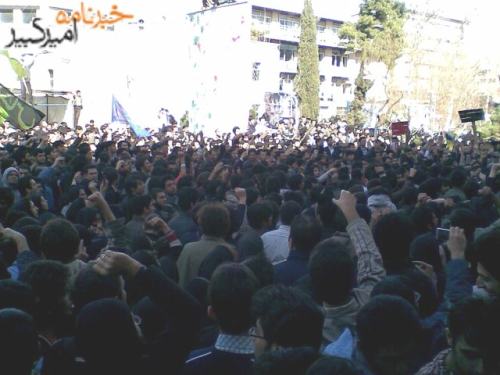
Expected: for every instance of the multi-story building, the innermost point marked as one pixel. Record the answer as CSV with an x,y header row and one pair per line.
x,y
275,39
422,81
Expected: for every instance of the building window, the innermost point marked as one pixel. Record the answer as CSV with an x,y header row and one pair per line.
x,y
321,79
256,71
321,26
287,52
28,15
287,22
321,55
344,61
6,16
336,60
261,16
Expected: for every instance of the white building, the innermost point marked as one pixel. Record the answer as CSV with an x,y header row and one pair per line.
x,y
275,38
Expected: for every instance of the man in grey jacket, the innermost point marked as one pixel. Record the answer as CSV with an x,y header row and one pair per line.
x,y
332,271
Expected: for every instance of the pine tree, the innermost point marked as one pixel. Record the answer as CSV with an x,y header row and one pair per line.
x,y
307,79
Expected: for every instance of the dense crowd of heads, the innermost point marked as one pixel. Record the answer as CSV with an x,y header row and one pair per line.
x,y
307,248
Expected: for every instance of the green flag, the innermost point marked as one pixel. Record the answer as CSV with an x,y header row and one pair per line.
x,y
17,67
20,114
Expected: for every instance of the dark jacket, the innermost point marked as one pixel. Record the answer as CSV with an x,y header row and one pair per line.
x,y
292,269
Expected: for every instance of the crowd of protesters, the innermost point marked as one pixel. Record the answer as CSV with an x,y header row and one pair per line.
x,y
308,249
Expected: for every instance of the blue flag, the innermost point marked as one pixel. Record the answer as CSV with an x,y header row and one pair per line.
x,y
119,114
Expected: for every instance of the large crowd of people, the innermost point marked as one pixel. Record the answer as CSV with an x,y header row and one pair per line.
x,y
311,249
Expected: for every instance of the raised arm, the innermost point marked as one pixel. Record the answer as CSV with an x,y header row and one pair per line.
x,y
370,265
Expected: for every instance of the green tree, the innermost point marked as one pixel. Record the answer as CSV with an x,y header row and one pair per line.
x,y
307,79
378,35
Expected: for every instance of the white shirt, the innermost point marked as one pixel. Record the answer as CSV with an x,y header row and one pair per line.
x,y
276,244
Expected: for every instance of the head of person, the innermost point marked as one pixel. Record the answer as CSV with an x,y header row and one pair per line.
x,y
18,342
18,295
260,216
91,286
106,336
393,234
11,177
59,241
395,285
90,173
159,197
262,269
468,333
285,318
333,366
488,262
288,212
170,185
141,205
296,182
134,185
389,335
143,164
219,255
187,198
26,186
458,178
230,293
49,281
290,361
424,219
214,220
465,219
305,233
332,272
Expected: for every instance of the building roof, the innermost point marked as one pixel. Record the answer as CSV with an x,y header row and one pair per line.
x,y
337,10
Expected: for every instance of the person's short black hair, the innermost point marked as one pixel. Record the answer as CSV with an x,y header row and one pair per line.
x,y
87,167
332,272
230,294
387,322
393,234
214,220
422,218
24,184
219,255
288,317
15,294
289,210
138,204
465,219
468,319
486,252
305,233
18,341
131,183
458,178
59,240
327,365
187,198
258,214
394,285
110,174
90,286
294,181
49,281
32,234
327,212
289,361
154,193
262,269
